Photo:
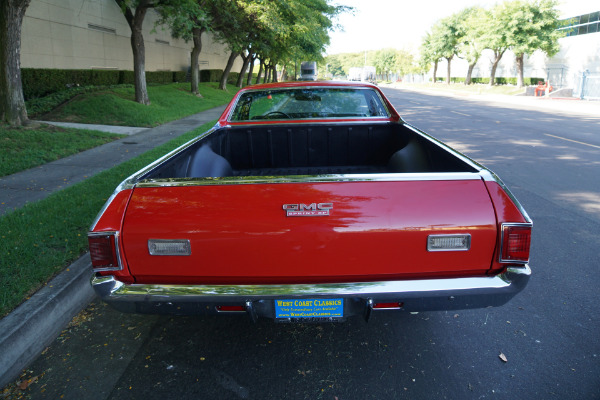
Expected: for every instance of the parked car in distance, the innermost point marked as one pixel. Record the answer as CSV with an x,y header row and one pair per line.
x,y
310,201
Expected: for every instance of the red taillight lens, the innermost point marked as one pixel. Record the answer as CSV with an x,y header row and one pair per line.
x,y
516,240
103,251
231,308
388,306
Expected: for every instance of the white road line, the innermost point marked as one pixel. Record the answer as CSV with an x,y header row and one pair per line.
x,y
456,112
574,141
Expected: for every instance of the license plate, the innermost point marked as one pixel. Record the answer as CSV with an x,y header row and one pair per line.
x,y
309,308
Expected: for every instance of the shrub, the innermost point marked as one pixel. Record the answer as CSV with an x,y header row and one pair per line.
x,y
39,82
232,78
210,75
179,76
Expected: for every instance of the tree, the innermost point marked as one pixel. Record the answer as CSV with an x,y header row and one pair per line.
x,y
534,27
135,20
405,62
496,34
135,12
252,60
12,103
188,21
246,57
230,24
292,30
384,61
429,55
445,39
336,68
470,45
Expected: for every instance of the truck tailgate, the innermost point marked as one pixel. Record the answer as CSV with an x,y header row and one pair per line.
x,y
363,231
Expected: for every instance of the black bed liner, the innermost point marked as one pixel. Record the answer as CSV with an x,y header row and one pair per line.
x,y
283,150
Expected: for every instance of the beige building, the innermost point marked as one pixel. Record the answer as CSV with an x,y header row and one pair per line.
x,y
93,34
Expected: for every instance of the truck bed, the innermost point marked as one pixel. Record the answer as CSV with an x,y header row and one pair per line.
x,y
310,193
276,150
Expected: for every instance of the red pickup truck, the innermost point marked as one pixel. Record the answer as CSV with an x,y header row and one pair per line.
x,y
310,201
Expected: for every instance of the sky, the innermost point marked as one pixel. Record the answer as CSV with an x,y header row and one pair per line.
x,y
401,24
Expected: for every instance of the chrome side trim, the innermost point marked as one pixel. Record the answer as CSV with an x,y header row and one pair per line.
x,y
490,176
115,234
130,182
313,121
486,173
244,180
425,294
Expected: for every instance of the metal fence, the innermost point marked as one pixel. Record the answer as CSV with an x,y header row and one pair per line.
x,y
557,76
590,87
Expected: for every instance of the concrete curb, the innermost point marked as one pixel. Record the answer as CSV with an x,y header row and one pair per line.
x,y
123,130
32,326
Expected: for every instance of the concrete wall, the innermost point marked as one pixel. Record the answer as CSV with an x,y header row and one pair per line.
x,y
577,54
84,34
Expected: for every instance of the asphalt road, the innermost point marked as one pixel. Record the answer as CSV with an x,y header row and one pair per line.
x,y
549,334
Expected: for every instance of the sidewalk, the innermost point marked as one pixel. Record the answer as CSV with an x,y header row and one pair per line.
x,y
32,326
37,183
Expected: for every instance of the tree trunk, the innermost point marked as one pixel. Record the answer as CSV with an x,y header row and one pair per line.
x,y
449,69
267,76
240,79
12,103
197,37
470,73
498,55
274,67
435,65
520,63
260,71
249,80
232,57
135,22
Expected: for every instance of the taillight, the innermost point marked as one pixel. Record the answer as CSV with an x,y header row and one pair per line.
x,y
104,251
388,306
516,240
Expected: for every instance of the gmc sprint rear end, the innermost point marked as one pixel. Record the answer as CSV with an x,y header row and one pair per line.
x,y
310,201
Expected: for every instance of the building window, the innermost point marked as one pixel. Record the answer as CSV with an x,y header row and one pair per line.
x,y
580,25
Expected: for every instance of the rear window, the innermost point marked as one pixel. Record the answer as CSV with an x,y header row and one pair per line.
x,y
308,103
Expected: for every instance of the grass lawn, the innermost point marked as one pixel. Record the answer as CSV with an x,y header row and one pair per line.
x,y
116,106
27,147
42,238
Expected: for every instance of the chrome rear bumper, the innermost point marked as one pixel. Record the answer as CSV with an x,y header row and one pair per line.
x,y
415,295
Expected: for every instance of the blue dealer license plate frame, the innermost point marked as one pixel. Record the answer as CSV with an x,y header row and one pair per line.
x,y
309,308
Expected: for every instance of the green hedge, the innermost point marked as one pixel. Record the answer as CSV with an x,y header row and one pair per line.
x,y
210,75
41,82
214,75
232,78
499,81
